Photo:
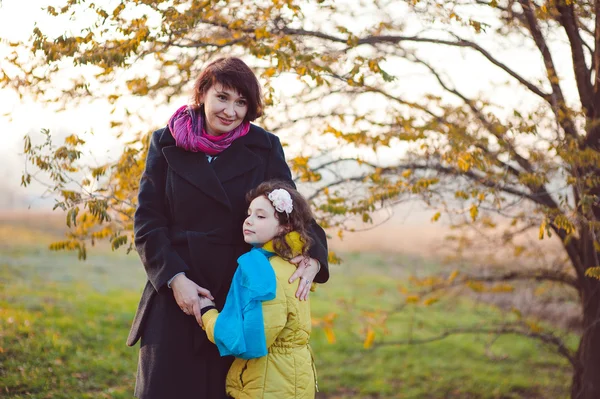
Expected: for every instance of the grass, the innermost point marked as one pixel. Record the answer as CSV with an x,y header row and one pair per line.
x,y
63,325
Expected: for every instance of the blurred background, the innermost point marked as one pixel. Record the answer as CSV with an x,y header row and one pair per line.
x,y
435,140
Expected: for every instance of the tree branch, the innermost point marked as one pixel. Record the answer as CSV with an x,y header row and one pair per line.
x,y
396,39
568,20
596,56
558,100
546,338
524,163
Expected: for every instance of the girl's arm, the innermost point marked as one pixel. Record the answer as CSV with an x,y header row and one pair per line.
x,y
274,316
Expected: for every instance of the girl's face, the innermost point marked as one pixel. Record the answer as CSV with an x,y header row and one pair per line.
x,y
261,225
225,109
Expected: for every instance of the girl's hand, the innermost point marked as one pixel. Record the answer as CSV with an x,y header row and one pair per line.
x,y
187,295
204,302
306,268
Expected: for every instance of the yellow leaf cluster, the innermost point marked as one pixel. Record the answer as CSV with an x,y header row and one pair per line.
x,y
593,272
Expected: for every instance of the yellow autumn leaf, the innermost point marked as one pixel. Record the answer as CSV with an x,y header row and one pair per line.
x,y
474,211
402,290
430,301
369,338
463,164
519,249
452,276
534,327
500,288
329,334
436,217
542,228
412,299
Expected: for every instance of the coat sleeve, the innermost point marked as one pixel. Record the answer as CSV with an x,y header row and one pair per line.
x,y
150,223
278,169
274,317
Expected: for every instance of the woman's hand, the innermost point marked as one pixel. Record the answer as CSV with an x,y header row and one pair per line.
x,y
187,293
306,268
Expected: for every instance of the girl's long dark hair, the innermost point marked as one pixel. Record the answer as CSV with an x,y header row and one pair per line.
x,y
299,220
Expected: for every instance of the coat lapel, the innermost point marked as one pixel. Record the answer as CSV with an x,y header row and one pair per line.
x,y
194,167
234,161
239,157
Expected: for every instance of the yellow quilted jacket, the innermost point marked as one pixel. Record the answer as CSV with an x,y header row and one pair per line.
x,y
288,370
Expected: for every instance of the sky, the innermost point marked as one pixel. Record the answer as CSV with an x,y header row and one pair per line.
x,y
23,116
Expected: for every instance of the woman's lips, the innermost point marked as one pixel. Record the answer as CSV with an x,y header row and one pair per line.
x,y
225,121
246,232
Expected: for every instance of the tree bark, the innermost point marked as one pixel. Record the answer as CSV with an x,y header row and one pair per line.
x,y
586,377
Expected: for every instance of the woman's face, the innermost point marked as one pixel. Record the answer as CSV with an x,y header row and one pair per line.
x,y
261,225
225,109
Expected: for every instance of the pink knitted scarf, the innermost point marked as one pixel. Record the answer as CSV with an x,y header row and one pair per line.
x,y
187,128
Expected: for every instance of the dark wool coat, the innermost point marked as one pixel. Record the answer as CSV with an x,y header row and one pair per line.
x,y
189,219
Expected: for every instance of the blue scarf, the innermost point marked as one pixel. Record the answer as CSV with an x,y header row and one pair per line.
x,y
239,330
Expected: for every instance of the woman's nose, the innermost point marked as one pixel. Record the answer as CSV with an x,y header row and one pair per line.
x,y
229,109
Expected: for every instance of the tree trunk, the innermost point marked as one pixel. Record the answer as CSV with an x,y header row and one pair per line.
x,y
586,379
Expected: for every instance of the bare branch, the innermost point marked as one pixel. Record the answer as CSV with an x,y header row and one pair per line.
x,y
596,57
524,163
547,338
568,20
396,39
558,100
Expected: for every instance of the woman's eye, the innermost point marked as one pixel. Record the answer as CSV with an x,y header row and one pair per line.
x,y
221,97
242,103
261,217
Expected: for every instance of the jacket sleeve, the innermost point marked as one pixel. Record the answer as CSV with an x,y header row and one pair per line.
x,y
274,317
278,169
150,222
209,319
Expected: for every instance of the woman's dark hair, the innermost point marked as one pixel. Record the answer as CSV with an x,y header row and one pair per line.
x,y
233,74
298,220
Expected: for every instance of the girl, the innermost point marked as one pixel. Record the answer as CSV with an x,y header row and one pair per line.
x,y
263,324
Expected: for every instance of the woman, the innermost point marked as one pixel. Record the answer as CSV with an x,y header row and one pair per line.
x,y
188,229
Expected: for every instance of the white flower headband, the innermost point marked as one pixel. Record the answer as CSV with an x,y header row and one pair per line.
x,y
281,200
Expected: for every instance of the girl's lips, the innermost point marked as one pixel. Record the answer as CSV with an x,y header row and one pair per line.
x,y
248,232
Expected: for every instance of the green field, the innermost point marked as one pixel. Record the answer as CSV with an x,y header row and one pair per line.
x,y
63,325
